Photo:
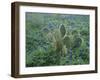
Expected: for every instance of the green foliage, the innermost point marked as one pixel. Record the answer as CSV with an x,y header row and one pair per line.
x,y
56,39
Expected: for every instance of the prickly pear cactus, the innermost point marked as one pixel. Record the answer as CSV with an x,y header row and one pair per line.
x,y
62,41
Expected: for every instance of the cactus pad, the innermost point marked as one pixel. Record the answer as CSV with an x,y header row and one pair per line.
x,y
62,30
67,42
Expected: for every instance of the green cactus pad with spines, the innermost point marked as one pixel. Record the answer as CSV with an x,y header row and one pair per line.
x,y
67,42
77,42
62,30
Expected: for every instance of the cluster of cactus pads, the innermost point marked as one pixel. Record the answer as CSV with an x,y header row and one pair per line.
x,y
64,40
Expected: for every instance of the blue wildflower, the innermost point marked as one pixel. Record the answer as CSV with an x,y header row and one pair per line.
x,y
50,26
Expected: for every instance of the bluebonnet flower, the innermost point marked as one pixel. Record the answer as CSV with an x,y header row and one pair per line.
x,y
80,55
81,52
70,56
50,26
